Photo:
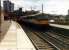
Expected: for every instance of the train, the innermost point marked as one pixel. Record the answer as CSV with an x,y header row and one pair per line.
x,y
38,19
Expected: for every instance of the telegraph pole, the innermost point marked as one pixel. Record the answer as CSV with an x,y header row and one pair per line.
x,y
31,8
42,9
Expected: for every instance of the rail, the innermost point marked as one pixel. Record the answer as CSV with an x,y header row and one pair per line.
x,y
38,42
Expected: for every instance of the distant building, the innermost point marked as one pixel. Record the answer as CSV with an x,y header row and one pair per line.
x,y
20,9
12,7
20,12
8,6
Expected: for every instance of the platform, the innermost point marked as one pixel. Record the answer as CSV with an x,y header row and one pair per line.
x,y
60,26
16,39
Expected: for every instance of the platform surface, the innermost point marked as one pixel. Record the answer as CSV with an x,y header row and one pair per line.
x,y
60,26
16,39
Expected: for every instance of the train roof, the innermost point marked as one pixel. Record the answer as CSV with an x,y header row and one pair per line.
x,y
40,16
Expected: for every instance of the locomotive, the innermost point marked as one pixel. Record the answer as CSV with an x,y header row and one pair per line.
x,y
39,19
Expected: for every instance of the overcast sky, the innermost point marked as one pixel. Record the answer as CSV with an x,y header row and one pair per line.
x,y
50,6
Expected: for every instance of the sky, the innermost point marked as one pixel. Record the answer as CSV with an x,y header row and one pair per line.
x,y
59,7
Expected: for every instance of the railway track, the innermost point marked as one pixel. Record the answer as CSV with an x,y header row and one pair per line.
x,y
59,37
62,31
54,41
60,45
38,42
58,42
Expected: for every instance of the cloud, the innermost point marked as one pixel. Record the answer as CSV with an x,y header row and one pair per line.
x,y
50,6
32,0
